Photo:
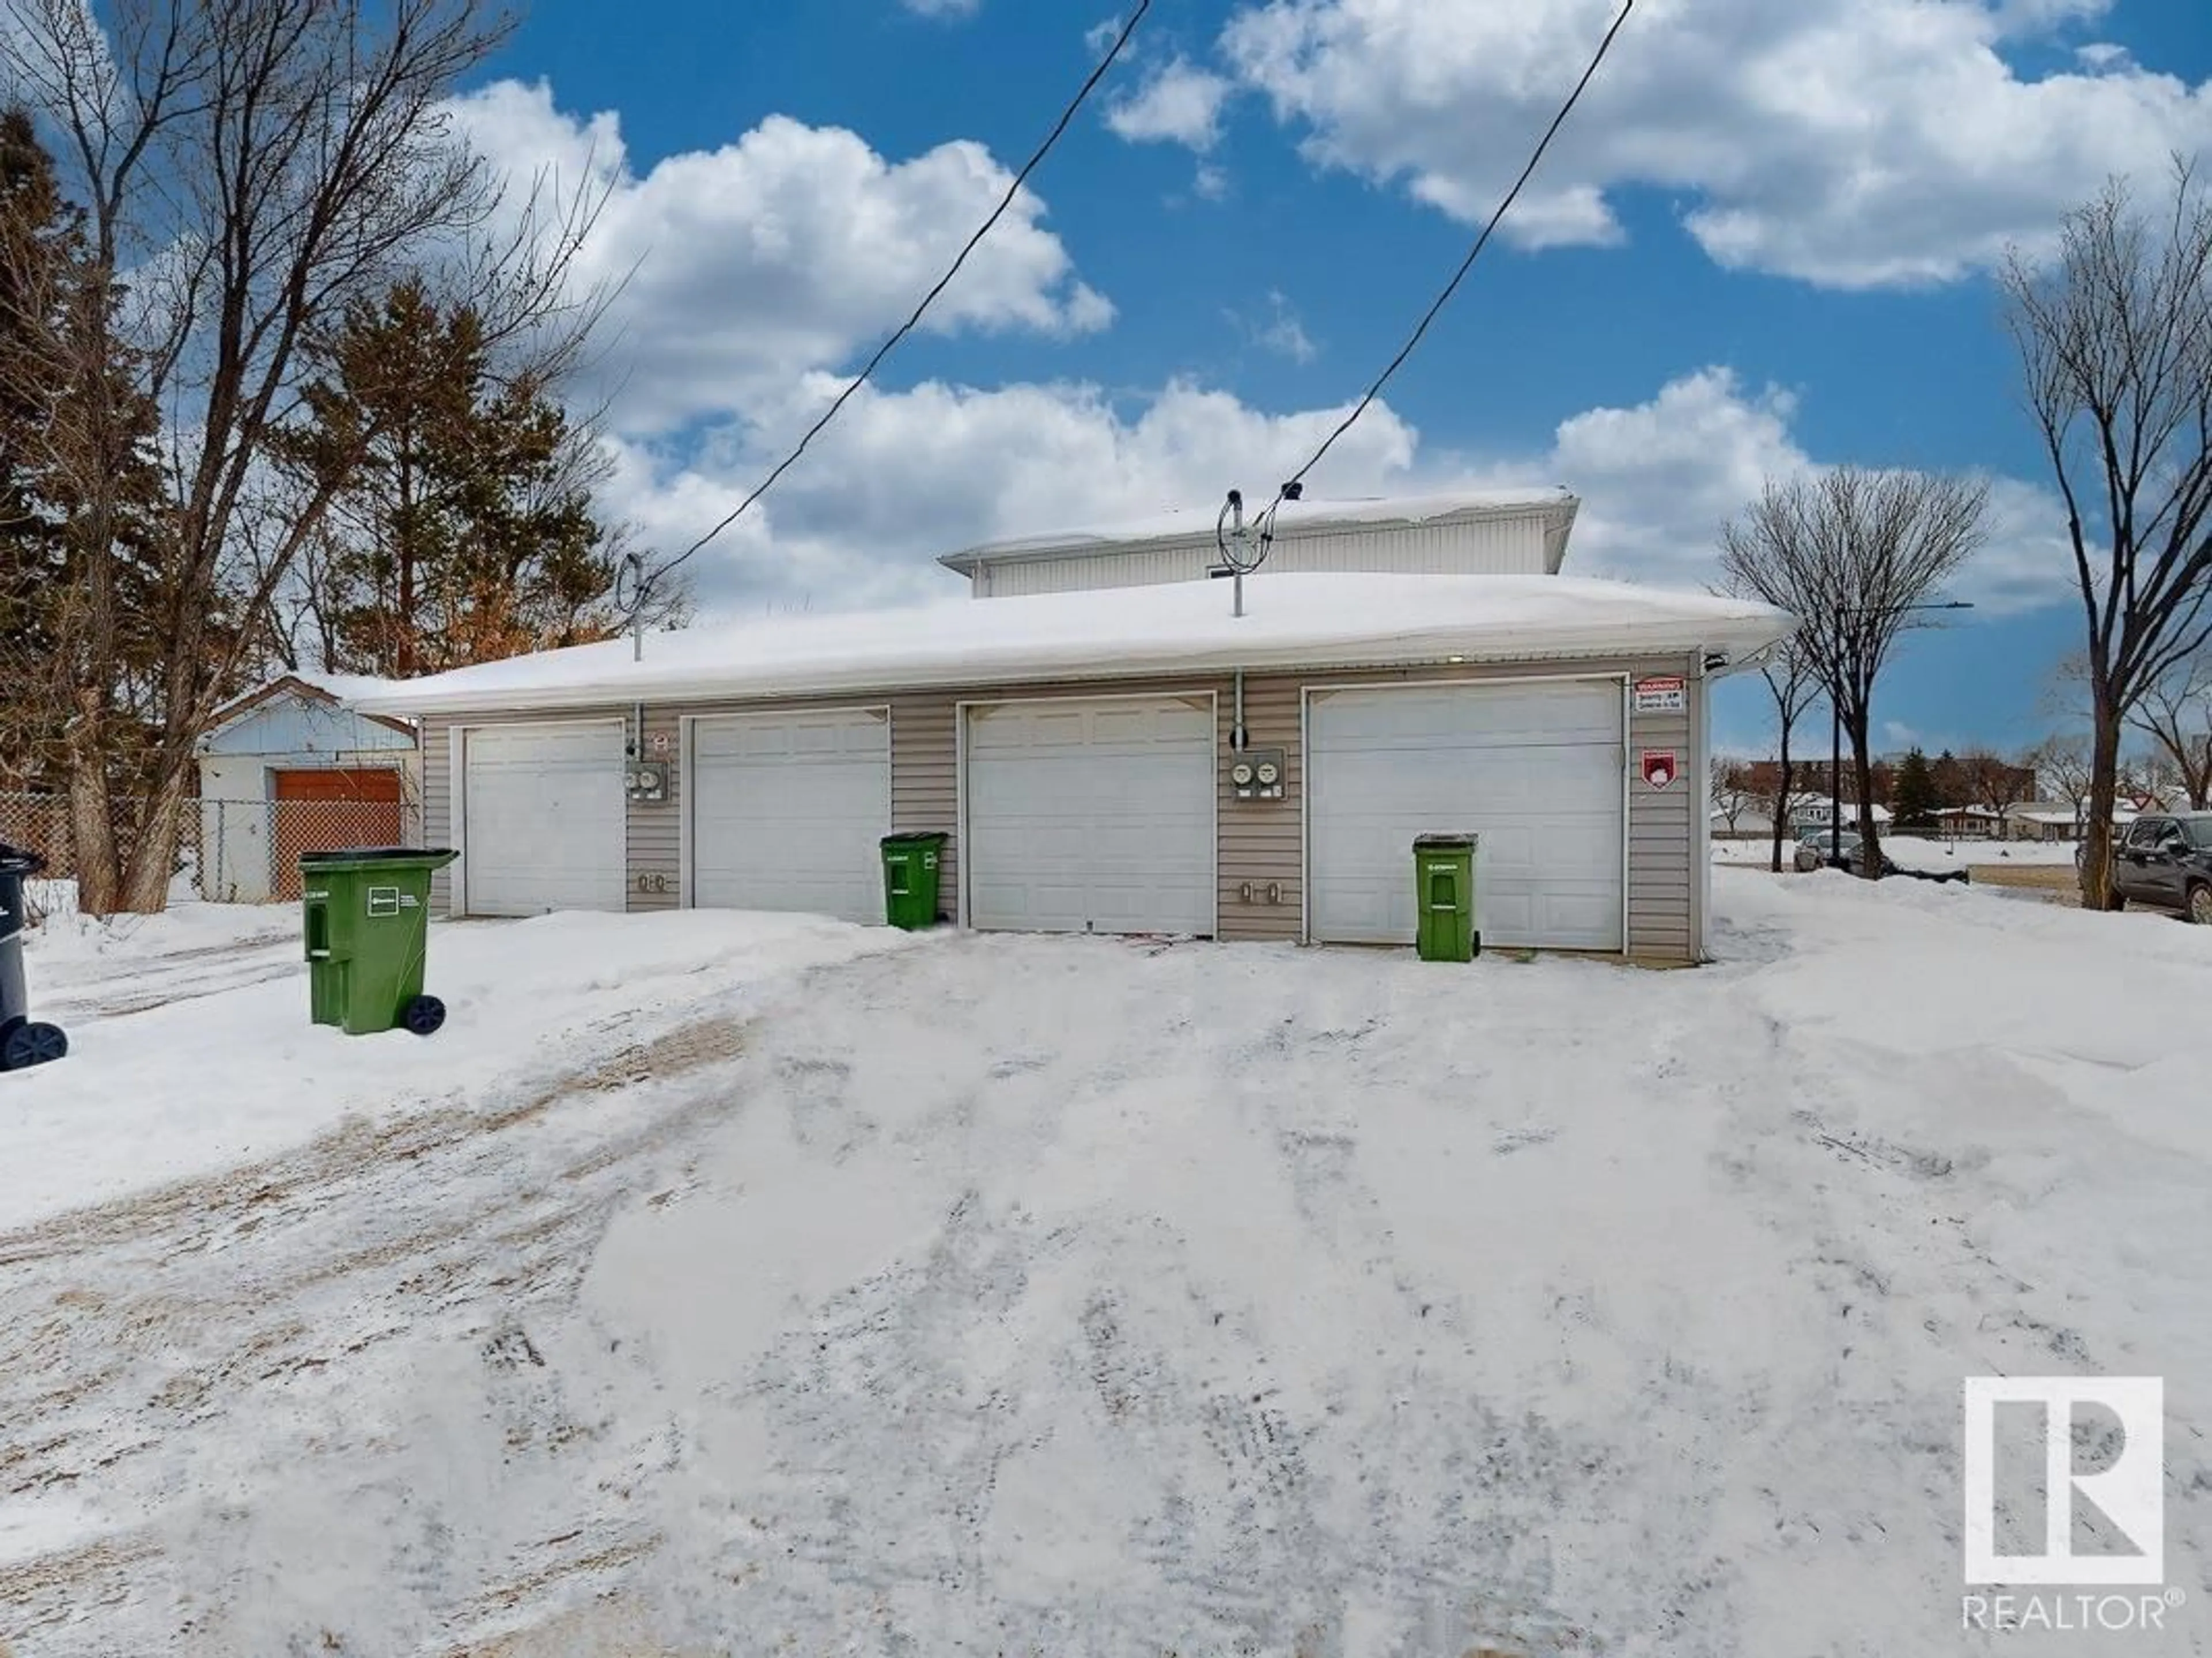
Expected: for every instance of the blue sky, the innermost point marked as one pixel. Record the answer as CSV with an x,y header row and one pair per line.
x,y
1764,244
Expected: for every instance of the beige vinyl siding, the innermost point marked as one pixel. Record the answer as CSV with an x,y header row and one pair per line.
x,y
1661,828
656,828
1258,841
1263,841
438,804
926,782
1698,778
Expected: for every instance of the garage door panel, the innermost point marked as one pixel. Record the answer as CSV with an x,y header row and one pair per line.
x,y
1533,716
543,818
1510,847
1594,911
1536,771
1091,814
789,812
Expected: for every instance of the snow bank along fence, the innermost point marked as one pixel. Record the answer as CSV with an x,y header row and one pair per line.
x,y
231,851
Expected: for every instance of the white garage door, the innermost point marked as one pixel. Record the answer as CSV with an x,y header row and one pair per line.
x,y
1536,770
541,818
1091,816
788,811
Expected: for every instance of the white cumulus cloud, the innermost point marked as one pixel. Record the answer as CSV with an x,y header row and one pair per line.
x,y
904,476
1178,103
743,267
1851,142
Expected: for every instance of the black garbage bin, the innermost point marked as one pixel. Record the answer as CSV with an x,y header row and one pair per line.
x,y
23,1041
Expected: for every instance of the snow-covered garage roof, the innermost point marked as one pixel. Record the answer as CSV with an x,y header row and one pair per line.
x,y
338,689
1292,621
1292,518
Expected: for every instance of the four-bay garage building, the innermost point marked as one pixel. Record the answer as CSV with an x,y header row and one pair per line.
x,y
1091,755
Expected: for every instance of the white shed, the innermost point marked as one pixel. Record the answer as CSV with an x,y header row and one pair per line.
x,y
289,768
1485,532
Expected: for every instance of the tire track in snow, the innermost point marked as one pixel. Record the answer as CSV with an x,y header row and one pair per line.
x,y
155,1323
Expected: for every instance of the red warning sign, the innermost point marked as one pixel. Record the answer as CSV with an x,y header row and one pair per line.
x,y
1659,766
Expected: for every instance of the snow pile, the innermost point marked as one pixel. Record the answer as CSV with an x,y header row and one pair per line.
x,y
1292,620
50,900
190,1049
1068,1296
71,947
1916,852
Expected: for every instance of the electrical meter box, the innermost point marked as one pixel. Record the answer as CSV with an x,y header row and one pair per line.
x,y
1257,774
646,779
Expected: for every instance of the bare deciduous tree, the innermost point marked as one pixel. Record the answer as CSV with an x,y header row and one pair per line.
x,y
2115,338
2175,713
1855,555
2062,770
1730,793
1996,782
1794,684
243,168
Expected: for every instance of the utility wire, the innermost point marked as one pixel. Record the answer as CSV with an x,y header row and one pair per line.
x,y
1297,480
1036,159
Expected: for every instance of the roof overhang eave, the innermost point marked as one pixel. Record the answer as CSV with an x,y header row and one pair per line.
x,y
1724,645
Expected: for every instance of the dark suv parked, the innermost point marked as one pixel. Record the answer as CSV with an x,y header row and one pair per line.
x,y
2166,863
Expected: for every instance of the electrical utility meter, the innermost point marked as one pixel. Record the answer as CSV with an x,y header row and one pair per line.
x,y
1257,774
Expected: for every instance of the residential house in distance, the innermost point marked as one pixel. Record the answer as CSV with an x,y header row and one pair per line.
x,y
1808,815
1970,823
2055,820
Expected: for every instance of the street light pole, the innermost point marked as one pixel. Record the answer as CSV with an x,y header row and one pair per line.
x,y
1835,775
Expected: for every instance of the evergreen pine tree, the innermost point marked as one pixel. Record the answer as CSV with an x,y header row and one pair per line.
x,y
57,353
463,529
1914,795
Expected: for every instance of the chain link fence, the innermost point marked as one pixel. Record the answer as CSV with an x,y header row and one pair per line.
x,y
228,852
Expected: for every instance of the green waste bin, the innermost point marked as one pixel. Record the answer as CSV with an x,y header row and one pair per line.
x,y
367,924
1443,898
910,860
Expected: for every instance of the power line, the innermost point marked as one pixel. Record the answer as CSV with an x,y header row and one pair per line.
x,y
1296,482
1060,127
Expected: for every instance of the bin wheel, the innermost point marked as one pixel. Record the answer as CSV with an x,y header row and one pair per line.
x,y
30,1044
423,1016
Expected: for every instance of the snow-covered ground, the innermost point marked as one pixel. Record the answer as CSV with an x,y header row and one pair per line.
x,y
1005,1294
191,1051
1923,853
